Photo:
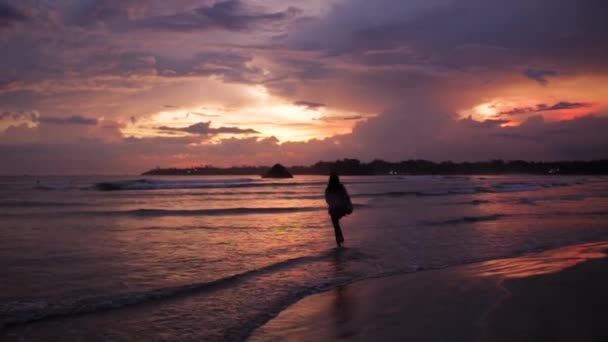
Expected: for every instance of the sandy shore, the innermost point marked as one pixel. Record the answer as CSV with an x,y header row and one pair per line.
x,y
558,295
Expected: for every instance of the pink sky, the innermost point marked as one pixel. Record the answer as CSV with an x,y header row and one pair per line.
x,y
125,86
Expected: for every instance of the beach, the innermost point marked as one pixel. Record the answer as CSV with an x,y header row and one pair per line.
x,y
558,295
215,258
225,170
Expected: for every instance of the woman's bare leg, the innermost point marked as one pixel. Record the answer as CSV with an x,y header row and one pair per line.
x,y
335,220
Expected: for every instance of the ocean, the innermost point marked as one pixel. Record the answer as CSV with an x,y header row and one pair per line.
x,y
213,257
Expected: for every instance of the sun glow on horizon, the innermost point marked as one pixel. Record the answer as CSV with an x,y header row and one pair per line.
x,y
485,111
514,111
263,112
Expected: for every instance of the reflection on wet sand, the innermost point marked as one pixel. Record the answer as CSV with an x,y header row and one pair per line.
x,y
536,297
344,307
343,304
541,263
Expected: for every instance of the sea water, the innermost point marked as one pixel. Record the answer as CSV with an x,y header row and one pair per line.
x,y
211,258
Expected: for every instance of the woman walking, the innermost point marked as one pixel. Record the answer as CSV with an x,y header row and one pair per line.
x,y
339,204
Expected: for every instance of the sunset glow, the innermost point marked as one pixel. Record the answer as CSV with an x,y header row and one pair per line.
x,y
197,81
268,115
303,170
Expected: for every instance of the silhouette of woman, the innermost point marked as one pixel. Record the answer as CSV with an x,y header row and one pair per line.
x,y
339,204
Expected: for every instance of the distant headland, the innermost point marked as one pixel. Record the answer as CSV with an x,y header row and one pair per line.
x,y
407,167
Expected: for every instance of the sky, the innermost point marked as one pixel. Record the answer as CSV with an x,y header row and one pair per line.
x,y
123,86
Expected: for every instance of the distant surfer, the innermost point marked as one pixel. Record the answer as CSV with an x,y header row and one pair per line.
x,y
339,204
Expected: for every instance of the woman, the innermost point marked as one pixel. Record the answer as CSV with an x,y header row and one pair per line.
x,y
339,204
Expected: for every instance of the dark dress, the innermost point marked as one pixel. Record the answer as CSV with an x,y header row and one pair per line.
x,y
339,206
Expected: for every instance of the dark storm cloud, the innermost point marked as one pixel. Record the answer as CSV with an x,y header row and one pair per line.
x,y
306,69
415,62
309,104
9,15
72,120
544,108
539,76
203,128
466,33
231,66
228,15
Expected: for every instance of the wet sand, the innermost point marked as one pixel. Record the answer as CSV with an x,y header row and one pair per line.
x,y
558,295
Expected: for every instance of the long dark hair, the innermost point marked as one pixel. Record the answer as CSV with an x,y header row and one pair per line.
x,y
334,182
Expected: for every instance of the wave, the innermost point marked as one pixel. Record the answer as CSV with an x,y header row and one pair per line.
x,y
388,194
216,212
494,217
155,184
222,211
151,184
498,188
191,212
21,204
468,219
26,311
516,187
455,191
53,187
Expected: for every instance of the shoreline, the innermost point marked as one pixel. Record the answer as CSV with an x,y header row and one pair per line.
x,y
347,310
532,295
145,174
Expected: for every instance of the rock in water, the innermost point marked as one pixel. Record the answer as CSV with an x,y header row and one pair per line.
x,y
277,171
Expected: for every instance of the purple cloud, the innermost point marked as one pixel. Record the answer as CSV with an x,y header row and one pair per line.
x,y
203,128
310,105
231,15
434,139
543,108
340,118
539,75
414,63
9,15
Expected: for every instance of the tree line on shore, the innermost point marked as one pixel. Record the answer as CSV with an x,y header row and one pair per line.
x,y
407,167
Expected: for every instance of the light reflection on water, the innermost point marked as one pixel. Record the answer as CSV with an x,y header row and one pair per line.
x,y
57,257
542,263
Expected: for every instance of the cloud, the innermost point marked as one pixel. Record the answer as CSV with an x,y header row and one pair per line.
x,y
20,115
231,15
414,63
540,75
339,118
565,105
463,34
485,123
309,104
72,120
202,114
543,108
203,128
9,15
437,138
233,130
